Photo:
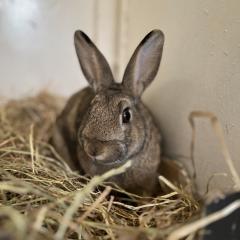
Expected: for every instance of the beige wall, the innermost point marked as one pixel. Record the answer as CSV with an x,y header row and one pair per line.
x,y
200,67
200,71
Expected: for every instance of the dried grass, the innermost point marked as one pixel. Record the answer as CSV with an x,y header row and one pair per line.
x,y
190,230
41,198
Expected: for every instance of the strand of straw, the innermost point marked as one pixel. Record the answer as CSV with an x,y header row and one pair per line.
x,y
80,196
193,227
219,132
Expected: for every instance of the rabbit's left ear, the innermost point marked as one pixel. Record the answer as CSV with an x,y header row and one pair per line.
x,y
144,63
94,65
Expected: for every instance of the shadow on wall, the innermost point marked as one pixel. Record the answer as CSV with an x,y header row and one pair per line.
x,y
177,98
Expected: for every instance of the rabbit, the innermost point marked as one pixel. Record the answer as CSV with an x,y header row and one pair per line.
x,y
106,124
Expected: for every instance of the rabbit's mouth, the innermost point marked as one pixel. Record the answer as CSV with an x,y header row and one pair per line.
x,y
108,163
116,162
111,158
106,153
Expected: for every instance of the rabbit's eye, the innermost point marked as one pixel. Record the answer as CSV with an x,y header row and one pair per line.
x,y
126,115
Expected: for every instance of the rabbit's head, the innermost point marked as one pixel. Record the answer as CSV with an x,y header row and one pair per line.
x,y
113,129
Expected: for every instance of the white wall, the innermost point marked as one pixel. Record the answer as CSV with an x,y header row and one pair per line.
x,y
36,43
200,71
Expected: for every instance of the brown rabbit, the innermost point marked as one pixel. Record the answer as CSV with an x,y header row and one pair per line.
x,y
106,124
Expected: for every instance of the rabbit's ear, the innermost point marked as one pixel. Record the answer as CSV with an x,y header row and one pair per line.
x,y
144,63
93,63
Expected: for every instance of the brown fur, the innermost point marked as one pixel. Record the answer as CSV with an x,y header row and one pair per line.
x,y
90,133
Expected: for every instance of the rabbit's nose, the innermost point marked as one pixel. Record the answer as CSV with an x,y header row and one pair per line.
x,y
93,151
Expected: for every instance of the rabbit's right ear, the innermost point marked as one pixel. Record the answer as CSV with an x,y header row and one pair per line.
x,y
94,65
144,63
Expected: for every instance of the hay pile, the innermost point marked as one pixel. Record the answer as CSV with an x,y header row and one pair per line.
x,y
41,198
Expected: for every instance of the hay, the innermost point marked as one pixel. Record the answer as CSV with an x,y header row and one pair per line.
x,y
219,133
205,221
41,198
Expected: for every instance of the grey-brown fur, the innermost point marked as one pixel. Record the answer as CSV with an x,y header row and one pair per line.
x,y
91,134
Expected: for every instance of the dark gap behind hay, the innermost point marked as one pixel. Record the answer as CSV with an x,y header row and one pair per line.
x,y
38,191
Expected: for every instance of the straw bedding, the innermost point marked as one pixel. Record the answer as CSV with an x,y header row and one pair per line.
x,y
41,198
